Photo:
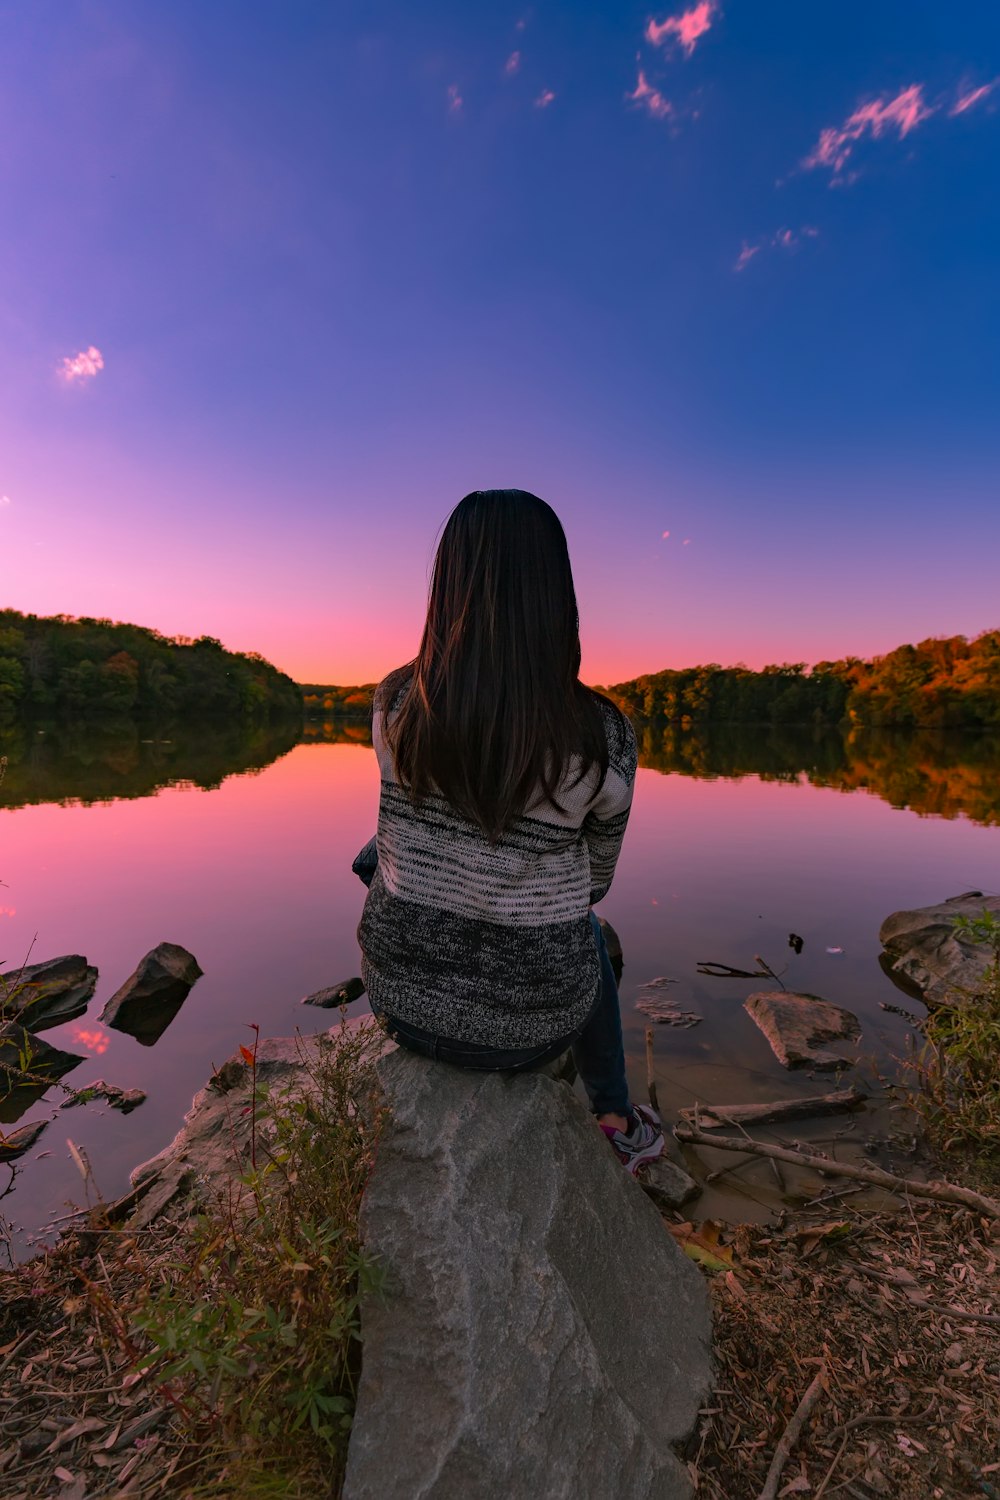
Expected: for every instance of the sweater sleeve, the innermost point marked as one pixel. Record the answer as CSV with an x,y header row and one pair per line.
x,y
606,821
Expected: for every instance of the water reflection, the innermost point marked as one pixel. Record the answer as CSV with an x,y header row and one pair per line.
x,y
103,764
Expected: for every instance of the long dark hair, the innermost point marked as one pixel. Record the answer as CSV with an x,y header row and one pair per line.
x,y
492,709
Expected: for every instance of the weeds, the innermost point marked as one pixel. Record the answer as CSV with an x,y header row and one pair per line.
x,y
957,1069
254,1332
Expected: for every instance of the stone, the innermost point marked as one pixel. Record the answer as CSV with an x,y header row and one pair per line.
x,y
125,1100
18,1142
28,1066
667,1184
150,998
539,1333
337,994
797,1025
927,958
48,993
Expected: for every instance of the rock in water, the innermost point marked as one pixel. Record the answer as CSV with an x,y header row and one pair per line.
x,y
540,1337
49,993
667,1184
150,998
796,1025
926,956
19,1141
27,1067
337,994
613,944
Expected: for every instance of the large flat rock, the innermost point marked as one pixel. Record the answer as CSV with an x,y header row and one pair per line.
x,y
541,1336
798,1028
926,956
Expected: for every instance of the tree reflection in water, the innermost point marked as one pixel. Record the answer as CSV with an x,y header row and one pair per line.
x,y
934,773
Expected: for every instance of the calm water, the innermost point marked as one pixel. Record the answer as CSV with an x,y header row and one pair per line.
x,y
241,852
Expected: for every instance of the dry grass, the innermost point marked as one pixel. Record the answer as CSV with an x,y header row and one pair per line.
x,y
911,1400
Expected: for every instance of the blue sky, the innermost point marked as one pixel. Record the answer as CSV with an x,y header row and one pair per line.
x,y
280,282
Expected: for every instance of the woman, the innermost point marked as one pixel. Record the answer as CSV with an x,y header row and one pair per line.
x,y
506,788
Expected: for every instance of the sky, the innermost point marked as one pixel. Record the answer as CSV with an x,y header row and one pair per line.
x,y
281,280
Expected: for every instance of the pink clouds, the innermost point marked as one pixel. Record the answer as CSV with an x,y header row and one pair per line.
x,y
782,239
79,368
971,97
688,28
902,114
455,100
512,64
544,99
651,100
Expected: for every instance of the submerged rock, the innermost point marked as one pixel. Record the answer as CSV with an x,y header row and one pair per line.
x,y
337,994
540,1330
51,992
150,998
797,1025
925,955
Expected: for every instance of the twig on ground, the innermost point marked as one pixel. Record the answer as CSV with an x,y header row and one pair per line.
x,y
790,1436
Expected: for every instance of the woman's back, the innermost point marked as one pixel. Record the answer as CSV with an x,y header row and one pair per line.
x,y
488,940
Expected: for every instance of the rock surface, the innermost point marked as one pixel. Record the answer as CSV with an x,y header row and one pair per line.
x,y
21,1053
52,992
213,1143
925,955
150,998
541,1336
667,1184
19,1141
797,1025
125,1100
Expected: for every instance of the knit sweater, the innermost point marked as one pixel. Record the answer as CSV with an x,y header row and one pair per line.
x,y
492,943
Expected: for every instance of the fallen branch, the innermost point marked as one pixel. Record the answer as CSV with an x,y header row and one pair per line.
x,y
791,1434
712,1115
941,1192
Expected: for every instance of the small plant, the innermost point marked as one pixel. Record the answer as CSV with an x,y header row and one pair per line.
x,y
255,1332
958,1068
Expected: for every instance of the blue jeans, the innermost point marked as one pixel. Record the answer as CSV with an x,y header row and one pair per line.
x,y
597,1046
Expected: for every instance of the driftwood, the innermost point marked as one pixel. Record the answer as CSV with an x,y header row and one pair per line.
x,y
941,1192
791,1435
712,1115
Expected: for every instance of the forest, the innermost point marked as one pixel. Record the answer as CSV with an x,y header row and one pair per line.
x,y
949,683
62,668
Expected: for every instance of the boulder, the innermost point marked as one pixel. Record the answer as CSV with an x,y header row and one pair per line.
x,y
926,957
797,1025
539,1333
49,993
337,994
27,1067
212,1146
150,998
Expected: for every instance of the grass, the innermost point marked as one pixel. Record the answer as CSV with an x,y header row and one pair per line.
x,y
955,1074
234,1328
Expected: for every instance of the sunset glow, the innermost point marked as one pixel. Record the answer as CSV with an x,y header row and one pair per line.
x,y
716,281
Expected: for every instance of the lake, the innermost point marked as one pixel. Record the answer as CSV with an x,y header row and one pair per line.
x,y
239,848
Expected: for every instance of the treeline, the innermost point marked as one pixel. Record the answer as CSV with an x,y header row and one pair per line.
x,y
337,702
953,683
64,668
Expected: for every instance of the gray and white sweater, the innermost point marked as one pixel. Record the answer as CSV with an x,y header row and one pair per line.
x,y
492,943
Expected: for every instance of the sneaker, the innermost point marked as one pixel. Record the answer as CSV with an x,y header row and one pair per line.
x,y
644,1142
